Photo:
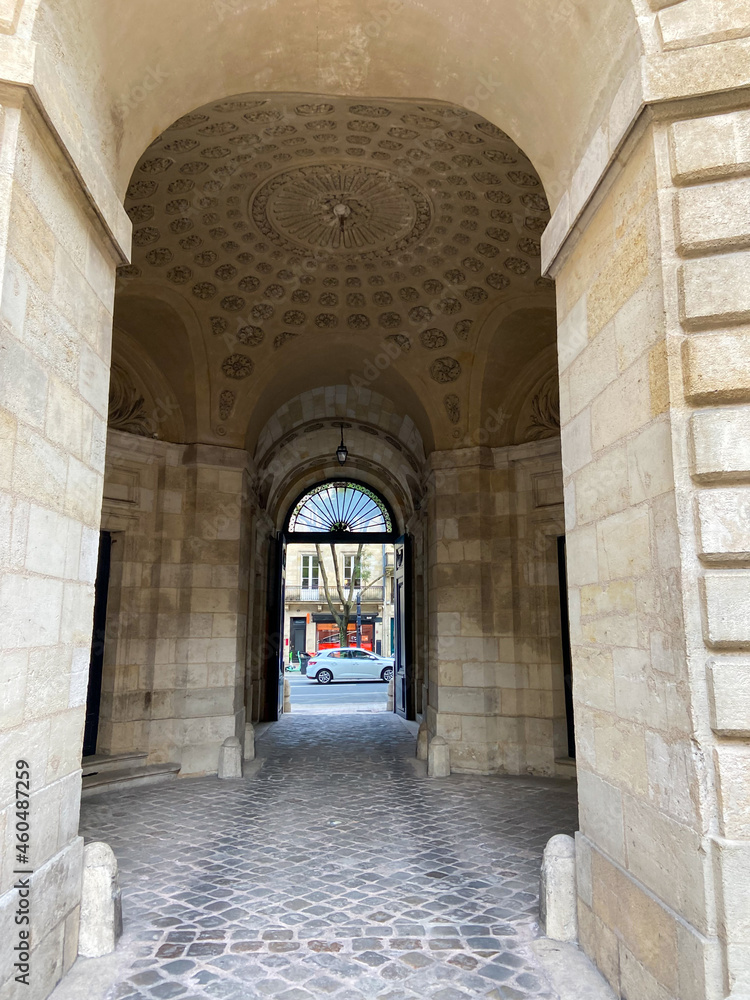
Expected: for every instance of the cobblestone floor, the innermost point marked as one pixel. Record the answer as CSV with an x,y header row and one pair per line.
x,y
338,872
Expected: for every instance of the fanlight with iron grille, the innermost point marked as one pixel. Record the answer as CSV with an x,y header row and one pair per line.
x,y
340,508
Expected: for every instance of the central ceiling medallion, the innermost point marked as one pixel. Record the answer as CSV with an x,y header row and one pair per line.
x,y
341,208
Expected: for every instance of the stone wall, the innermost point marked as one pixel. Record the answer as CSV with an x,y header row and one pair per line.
x,y
55,323
496,675
176,625
653,308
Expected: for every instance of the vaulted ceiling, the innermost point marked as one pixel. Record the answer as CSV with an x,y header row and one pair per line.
x,y
310,240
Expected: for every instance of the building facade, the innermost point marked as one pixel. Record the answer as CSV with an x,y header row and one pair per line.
x,y
309,624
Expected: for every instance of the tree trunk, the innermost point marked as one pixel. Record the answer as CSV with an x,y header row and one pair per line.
x,y
341,618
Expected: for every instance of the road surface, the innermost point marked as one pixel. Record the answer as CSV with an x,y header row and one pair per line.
x,y
337,697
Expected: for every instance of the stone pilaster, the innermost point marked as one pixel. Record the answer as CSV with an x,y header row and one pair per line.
x,y
496,675
57,276
177,621
653,309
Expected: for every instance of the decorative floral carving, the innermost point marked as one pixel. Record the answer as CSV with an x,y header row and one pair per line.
x,y
472,264
534,224
530,247
545,411
465,138
179,275
262,311
522,179
226,404
180,186
225,272
237,366
294,317
517,265
232,303
462,329
535,202
204,290
358,321
341,208
159,257
250,336
369,111
498,196
455,276
194,167
127,409
452,408
433,339
157,165
420,314
142,189
449,306
314,109
497,281
177,206
125,271
218,128
141,213
325,321
400,340
475,295
282,338
188,121
445,370
219,325
147,234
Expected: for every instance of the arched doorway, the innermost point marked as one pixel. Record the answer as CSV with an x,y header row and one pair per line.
x,y
337,530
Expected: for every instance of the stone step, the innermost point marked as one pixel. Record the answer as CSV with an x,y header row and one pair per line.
x,y
99,762
128,777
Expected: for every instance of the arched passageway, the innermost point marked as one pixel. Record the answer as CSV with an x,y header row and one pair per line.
x,y
627,121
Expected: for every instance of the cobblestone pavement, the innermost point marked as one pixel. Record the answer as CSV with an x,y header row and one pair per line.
x,y
337,871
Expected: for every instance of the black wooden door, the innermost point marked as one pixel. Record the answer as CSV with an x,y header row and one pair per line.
x,y
565,635
275,630
96,660
402,700
298,637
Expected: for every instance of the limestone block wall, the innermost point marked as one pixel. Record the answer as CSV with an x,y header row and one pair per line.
x,y
57,274
536,520
653,310
177,614
495,655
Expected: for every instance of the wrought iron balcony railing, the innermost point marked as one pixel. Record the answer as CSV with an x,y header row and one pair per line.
x,y
317,595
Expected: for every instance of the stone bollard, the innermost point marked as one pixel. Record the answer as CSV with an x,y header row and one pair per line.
x,y
249,753
558,913
101,902
287,696
391,695
438,758
230,758
423,740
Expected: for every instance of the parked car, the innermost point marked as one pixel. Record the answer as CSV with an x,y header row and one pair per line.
x,y
348,663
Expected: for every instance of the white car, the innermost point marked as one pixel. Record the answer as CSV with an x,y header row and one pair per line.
x,y
348,663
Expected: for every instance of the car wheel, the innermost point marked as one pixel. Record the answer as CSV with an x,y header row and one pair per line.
x,y
324,677
387,674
